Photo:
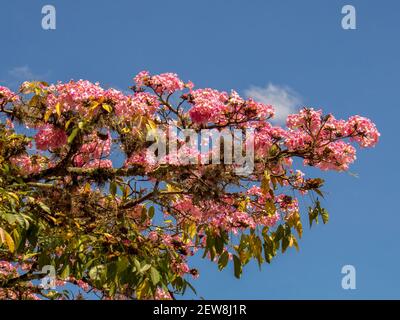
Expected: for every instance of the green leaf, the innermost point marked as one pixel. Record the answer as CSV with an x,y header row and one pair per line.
x,y
268,249
223,260
47,115
325,216
210,246
122,264
154,275
285,244
280,232
6,239
113,289
295,222
142,289
237,266
312,215
137,264
151,212
143,216
68,123
287,236
295,243
73,135
112,270
219,244
145,268
270,207
44,207
113,188
107,107
274,150
265,186
319,192
58,109
66,272
97,272
192,229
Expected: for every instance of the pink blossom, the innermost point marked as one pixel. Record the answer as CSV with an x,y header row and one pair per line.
x,y
308,117
26,164
93,149
367,133
181,268
153,236
287,204
337,156
166,83
141,78
6,95
207,105
83,285
161,294
50,138
74,96
142,158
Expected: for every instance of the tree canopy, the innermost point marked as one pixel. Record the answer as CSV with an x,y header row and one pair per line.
x,y
80,191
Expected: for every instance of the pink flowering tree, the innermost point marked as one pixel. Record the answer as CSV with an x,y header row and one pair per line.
x,y
80,192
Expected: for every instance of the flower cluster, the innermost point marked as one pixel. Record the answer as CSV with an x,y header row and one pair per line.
x,y
209,105
225,215
6,95
73,96
320,139
162,295
30,164
83,97
93,150
50,138
9,271
161,83
127,106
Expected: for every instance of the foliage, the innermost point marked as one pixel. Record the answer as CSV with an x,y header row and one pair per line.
x,y
127,231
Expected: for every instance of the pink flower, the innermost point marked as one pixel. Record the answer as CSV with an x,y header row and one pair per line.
x,y
26,164
161,294
74,96
181,268
153,236
262,111
93,150
307,117
208,105
141,78
50,138
337,156
6,95
161,83
166,83
142,158
287,204
83,285
141,103
367,134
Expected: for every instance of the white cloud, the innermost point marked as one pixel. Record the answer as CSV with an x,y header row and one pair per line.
x,y
23,73
283,99
18,74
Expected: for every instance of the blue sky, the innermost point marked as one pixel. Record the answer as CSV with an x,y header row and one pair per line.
x,y
297,48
